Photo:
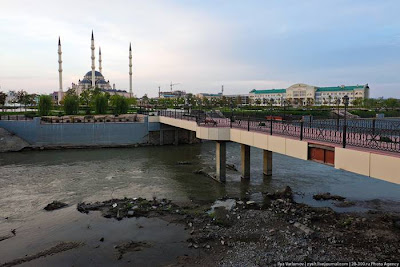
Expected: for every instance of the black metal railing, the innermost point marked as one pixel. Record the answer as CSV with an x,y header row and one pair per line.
x,y
15,118
89,119
370,134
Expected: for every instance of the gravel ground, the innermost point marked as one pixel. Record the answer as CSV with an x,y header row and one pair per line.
x,y
235,232
285,231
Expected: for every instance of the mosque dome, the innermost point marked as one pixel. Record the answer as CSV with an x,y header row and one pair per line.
x,y
101,82
96,73
85,81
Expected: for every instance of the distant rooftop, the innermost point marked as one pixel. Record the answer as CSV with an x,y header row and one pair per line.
x,y
114,91
319,89
269,91
339,88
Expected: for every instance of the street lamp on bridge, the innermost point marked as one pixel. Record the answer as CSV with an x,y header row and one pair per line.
x,y
338,115
271,102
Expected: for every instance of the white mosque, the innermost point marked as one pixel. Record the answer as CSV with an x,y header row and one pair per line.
x,y
93,79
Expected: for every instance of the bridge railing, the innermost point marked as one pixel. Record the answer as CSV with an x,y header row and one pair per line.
x,y
328,131
15,118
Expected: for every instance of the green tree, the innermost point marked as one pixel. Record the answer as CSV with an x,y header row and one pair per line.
x,y
132,101
95,92
100,104
238,100
119,104
85,97
71,104
145,99
3,97
224,101
391,103
45,105
71,91
206,102
21,97
329,100
357,102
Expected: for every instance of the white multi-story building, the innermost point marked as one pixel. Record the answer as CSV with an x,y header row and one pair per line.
x,y
301,94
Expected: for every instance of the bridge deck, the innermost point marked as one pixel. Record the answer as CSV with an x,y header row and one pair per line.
x,y
370,152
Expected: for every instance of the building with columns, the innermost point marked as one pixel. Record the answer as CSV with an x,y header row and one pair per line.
x,y
301,94
93,78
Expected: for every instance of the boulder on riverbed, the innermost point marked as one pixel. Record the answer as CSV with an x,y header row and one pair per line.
x,y
286,193
328,196
55,205
184,163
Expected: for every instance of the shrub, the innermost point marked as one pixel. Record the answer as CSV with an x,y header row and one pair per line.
x,y
71,104
119,104
45,105
100,104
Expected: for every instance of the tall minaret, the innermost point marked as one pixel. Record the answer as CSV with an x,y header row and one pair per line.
x,y
130,70
100,68
93,66
60,91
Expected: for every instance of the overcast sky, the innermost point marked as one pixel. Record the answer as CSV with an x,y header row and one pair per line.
x,y
203,44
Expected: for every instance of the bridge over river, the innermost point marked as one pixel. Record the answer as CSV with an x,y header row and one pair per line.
x,y
367,150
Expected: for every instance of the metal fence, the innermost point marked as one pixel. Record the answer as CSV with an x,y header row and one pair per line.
x,y
365,134
376,134
88,119
15,118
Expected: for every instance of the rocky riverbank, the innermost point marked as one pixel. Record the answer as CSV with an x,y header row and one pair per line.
x,y
10,142
228,232
246,233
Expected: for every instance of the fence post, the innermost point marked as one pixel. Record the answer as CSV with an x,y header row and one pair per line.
x,y
301,130
344,135
373,126
270,130
231,121
248,123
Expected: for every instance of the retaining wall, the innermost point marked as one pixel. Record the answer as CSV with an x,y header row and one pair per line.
x,y
39,134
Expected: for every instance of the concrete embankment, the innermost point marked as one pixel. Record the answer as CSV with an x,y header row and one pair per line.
x,y
38,134
10,142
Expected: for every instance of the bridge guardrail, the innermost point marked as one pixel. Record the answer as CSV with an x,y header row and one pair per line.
x,y
329,131
15,118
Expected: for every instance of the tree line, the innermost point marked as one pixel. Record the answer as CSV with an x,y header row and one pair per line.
x,y
90,100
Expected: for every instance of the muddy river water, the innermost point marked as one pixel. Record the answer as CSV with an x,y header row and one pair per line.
x,y
32,179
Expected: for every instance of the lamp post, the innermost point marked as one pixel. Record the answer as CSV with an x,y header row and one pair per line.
x,y
338,116
271,102
284,109
231,113
346,103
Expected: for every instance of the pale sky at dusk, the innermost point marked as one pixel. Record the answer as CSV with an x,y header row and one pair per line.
x,y
203,44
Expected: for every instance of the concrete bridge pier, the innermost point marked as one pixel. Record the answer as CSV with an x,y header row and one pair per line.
x,y
176,141
191,136
161,137
220,158
245,161
267,162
